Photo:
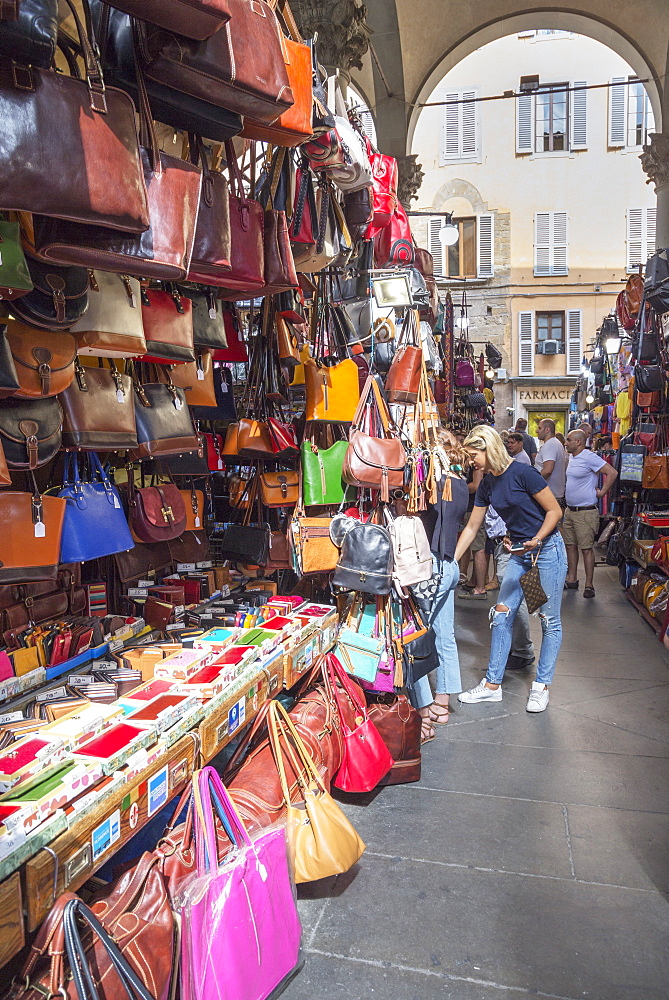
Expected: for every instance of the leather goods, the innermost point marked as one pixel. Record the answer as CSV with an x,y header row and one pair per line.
x,y
86,128
656,283
215,448
287,343
192,18
633,293
9,382
385,177
190,463
332,391
30,432
322,478
359,207
323,840
403,378
240,937
15,278
655,472
168,325
648,378
196,378
5,478
99,410
210,261
374,462
142,561
224,69
112,325
224,406
59,296
191,547
30,38
366,759
412,558
279,489
420,657
649,402
294,126
208,324
44,361
399,725
279,553
279,264
394,244
246,543
94,524
164,425
360,654
239,492
315,551
247,227
156,513
253,439
366,555
464,373
530,584
30,531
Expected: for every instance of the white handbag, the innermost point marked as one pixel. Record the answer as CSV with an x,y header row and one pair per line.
x,y
112,325
411,551
357,172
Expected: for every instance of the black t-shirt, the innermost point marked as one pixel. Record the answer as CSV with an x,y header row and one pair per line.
x,y
442,519
512,495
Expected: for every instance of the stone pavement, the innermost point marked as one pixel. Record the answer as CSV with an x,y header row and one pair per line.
x,y
532,858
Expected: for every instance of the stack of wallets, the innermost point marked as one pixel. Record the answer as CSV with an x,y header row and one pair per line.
x,y
89,687
125,679
114,746
14,729
27,757
83,725
96,599
216,639
157,613
236,656
53,704
33,805
211,680
144,658
162,712
283,605
173,594
258,637
145,692
179,666
52,643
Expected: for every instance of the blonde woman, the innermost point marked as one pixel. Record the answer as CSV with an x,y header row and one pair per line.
x,y
525,503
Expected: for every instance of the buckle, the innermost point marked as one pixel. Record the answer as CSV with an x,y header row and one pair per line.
x,y
22,77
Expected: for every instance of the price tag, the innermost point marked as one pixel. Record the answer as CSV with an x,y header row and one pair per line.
x,y
207,564
198,522
145,583
204,617
14,716
116,644
120,396
40,529
59,692
220,463
138,592
116,502
212,313
186,567
200,375
178,405
81,680
224,386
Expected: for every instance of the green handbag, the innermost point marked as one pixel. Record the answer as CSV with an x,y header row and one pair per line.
x,y
321,473
14,275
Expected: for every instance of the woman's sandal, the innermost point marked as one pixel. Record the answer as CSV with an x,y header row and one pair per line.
x,y
427,733
438,714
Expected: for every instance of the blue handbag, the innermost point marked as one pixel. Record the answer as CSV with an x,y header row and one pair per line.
x,y
95,524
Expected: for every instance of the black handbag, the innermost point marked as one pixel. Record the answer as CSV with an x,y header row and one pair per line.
x,y
355,284
190,547
225,408
208,325
113,30
164,425
143,561
365,558
420,657
648,378
189,463
30,431
383,354
597,366
246,543
656,282
9,382
31,38
59,298
475,400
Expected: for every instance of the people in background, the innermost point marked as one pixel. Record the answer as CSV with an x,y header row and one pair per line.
x,y
515,448
587,430
581,519
474,589
529,444
531,512
560,437
551,460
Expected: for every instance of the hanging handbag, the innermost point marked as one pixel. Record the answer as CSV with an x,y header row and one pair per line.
x,y
359,653
30,532
403,379
30,432
92,135
287,342
208,325
359,208
399,724
247,259
15,278
279,489
655,472
365,558
322,839
530,584
464,373
235,352
190,547
164,425
210,261
412,558
247,543
58,299
656,282
254,439
44,361
192,18
155,513
376,463
322,476
112,325
99,410
394,244
332,391
312,549
30,37
196,378
648,378
168,325
94,524
385,177
224,407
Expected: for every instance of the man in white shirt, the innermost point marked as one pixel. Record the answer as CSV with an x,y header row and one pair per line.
x,y
515,448
581,519
551,460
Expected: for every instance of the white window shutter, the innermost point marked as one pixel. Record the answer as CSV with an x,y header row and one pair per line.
x,y
542,243
485,242
469,125
526,343
452,126
617,111
559,242
651,220
524,123
574,341
635,239
434,226
578,117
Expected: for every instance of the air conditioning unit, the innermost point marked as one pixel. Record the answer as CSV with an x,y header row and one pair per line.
x,y
548,347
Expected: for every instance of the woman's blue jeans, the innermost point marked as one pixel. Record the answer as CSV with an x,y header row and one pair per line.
x,y
552,563
441,620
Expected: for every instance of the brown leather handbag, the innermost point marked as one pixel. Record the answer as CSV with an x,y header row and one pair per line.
x,y
99,410
156,513
279,489
253,439
288,345
44,361
168,326
87,129
655,472
30,531
211,248
191,18
403,378
194,503
112,325
247,230
376,463
399,725
196,378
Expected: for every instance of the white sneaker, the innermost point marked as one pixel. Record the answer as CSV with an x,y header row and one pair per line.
x,y
480,693
538,700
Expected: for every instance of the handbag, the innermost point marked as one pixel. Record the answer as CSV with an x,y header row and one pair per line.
x,y
30,532
99,410
412,558
208,324
44,361
30,37
648,378
246,543
241,932
312,549
332,391
394,244
279,489
30,432
15,278
192,18
374,462
224,408
168,325
235,352
359,209
655,472
385,178
190,547
164,425
399,724
194,503
155,513
322,476
323,841
88,129
58,298
247,272
403,378
196,378
112,325
530,583
359,653
366,555
210,261
656,283
366,759
94,524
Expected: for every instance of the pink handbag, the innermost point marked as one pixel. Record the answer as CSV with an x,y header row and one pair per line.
x,y
240,929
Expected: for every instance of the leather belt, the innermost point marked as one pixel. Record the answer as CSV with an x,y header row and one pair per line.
x,y
592,506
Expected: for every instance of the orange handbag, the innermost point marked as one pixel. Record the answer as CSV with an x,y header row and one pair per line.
x,y
44,361
239,492
30,531
231,444
254,439
194,503
279,489
5,478
196,378
332,392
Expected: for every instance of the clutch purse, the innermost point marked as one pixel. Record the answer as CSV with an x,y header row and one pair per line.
x,y
530,582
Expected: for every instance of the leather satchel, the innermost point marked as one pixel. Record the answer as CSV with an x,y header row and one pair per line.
x,y
99,410
58,299
399,725
112,325
30,37
655,472
168,326
314,550
208,323
376,463
30,432
164,425
15,278
156,513
247,230
31,527
394,245
366,555
332,391
9,381
192,18
94,524
210,261
279,489
196,378
403,378
86,128
246,543
294,126
224,408
322,478
44,361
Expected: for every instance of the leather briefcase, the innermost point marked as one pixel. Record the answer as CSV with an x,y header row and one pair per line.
x,y
44,361
30,432
142,561
191,18
294,126
112,325
99,411
164,425
168,326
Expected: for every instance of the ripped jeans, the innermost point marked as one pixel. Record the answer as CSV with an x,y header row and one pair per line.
x,y
552,563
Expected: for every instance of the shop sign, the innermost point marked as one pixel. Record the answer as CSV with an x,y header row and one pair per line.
x,y
545,395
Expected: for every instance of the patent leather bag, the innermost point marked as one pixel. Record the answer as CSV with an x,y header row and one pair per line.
x,y
94,524
30,431
394,245
99,410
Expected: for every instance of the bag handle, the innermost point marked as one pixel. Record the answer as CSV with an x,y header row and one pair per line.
x,y
280,724
210,793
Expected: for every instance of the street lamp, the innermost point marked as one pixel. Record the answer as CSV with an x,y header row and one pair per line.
x,y
449,234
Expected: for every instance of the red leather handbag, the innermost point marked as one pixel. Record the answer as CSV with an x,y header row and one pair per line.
x,y
247,259
210,263
156,513
394,243
385,174
295,124
366,759
214,452
304,224
168,326
191,18
235,352
325,151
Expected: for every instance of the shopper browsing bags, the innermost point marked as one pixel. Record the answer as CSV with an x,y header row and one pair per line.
x,y
532,513
551,460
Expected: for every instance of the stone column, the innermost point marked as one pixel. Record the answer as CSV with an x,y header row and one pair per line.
x,y
411,175
655,162
343,32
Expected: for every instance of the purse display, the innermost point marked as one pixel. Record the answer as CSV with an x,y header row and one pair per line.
x,y
403,378
247,271
374,462
99,410
295,125
94,523
30,432
112,325
196,378
44,361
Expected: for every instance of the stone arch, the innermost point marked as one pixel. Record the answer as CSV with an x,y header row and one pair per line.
x,y
459,188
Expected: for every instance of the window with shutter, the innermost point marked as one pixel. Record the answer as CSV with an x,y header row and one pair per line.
x,y
578,118
574,341
526,343
630,113
640,236
485,263
435,246
559,263
525,123
617,111
461,125
550,244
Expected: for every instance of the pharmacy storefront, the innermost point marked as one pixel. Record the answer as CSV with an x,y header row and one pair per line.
x,y
540,400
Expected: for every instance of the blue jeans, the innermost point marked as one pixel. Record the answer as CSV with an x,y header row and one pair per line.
x,y
552,563
441,620
521,643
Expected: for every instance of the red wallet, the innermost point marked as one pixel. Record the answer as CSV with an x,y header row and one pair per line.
x,y
110,742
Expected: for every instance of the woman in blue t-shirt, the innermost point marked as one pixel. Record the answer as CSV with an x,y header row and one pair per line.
x,y
522,499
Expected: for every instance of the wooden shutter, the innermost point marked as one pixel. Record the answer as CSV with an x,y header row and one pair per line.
x,y
578,118
617,111
452,126
434,226
525,123
641,224
559,237
542,243
468,125
526,343
485,242
574,341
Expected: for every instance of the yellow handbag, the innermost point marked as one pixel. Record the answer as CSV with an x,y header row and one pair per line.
x,y
322,840
332,393
298,371
196,378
